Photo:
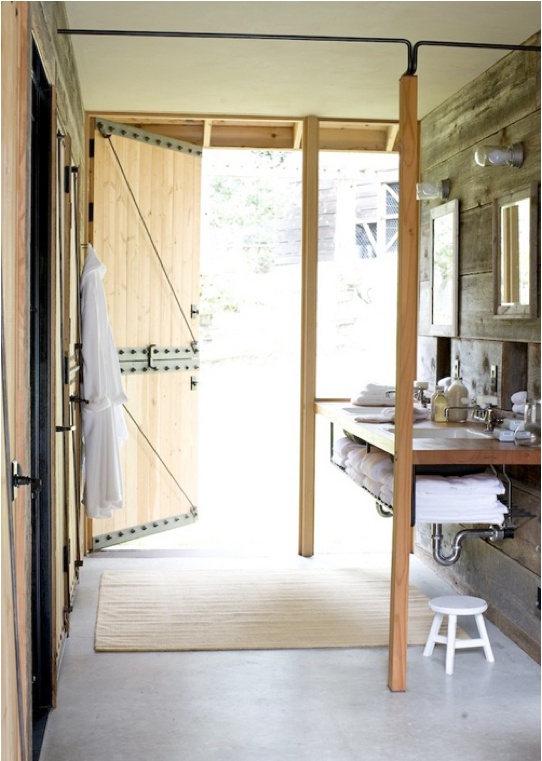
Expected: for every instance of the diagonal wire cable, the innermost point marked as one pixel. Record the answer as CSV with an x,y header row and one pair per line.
x,y
154,247
151,445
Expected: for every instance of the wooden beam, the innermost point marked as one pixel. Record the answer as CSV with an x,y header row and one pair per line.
x,y
309,272
207,133
393,130
407,317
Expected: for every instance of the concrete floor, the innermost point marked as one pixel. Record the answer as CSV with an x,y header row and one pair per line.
x,y
280,705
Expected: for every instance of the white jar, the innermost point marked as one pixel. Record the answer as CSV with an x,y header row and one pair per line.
x,y
458,396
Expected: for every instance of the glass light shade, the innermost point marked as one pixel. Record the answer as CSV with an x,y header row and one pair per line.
x,y
495,155
428,191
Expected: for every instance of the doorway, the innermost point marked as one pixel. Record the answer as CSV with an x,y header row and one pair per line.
x,y
40,399
249,312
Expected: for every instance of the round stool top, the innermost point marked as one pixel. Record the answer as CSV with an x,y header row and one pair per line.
x,y
458,605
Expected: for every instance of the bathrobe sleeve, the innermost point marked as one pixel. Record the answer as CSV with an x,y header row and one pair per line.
x,y
104,427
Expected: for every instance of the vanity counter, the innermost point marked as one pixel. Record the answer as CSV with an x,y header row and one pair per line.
x,y
436,449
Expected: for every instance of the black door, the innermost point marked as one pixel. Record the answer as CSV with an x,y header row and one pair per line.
x,y
41,411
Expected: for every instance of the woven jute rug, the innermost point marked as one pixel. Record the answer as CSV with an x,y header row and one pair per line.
x,y
249,610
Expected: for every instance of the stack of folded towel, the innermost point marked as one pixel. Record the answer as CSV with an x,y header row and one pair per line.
x,y
387,415
341,448
519,400
459,499
369,469
374,395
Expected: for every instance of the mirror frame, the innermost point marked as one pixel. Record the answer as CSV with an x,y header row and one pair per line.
x,y
448,329
516,311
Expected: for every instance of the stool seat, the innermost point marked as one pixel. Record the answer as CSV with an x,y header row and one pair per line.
x,y
454,606
458,605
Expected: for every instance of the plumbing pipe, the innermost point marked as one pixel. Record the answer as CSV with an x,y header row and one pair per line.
x,y
493,533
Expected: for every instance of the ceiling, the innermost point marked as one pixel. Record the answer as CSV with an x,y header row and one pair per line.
x,y
285,78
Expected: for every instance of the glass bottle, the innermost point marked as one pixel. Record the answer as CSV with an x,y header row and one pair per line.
x,y
439,402
438,389
528,433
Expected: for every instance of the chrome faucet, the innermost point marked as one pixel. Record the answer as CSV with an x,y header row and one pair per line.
x,y
464,409
419,396
480,414
489,416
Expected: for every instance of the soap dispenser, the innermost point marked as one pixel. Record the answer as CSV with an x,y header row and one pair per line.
x,y
458,396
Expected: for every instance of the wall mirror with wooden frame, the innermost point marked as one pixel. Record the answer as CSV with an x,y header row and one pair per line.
x,y
444,247
515,251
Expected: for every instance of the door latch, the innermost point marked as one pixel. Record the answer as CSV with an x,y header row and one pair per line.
x,y
19,480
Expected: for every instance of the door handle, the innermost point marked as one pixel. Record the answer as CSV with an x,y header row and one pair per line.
x,y
19,480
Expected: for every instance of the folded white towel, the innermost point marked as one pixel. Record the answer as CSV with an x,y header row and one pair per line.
x,y
356,457
372,400
386,495
478,483
387,481
519,409
455,503
354,475
371,485
387,415
342,447
520,397
470,518
376,465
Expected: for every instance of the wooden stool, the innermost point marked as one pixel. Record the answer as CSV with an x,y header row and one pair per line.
x,y
454,606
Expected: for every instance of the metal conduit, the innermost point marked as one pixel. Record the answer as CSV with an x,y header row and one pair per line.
x,y
412,49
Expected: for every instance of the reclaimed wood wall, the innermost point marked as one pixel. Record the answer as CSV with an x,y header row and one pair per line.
x,y
500,107
22,24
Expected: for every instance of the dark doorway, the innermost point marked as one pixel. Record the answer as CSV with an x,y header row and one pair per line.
x,y
40,384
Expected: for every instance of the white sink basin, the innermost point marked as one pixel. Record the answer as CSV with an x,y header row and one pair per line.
x,y
457,432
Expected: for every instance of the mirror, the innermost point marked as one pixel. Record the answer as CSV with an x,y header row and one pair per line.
x,y
444,258
515,236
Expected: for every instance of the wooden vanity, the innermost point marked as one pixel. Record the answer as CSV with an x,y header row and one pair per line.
x,y
433,450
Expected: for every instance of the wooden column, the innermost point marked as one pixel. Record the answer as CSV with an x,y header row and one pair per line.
x,y
407,317
309,271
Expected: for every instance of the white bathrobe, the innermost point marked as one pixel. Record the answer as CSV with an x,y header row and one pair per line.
x,y
104,427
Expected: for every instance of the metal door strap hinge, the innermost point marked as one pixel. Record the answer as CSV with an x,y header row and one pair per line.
x,y
157,359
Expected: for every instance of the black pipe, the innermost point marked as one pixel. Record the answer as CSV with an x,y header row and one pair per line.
x,y
413,57
412,54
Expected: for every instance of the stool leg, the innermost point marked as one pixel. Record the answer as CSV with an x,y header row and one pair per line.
x,y
450,645
435,628
482,631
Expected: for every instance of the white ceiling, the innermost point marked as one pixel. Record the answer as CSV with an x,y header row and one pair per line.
x,y
285,78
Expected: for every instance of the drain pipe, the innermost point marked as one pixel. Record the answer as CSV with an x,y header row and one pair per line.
x,y
493,533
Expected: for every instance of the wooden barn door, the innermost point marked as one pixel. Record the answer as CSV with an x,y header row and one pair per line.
x,y
145,227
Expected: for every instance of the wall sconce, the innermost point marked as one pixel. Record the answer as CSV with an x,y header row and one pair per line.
x,y
429,191
494,155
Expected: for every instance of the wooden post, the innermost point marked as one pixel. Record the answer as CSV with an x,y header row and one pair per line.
x,y
309,273
407,318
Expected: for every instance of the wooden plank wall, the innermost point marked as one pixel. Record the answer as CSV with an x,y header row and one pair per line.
x,y
19,21
501,106
15,50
